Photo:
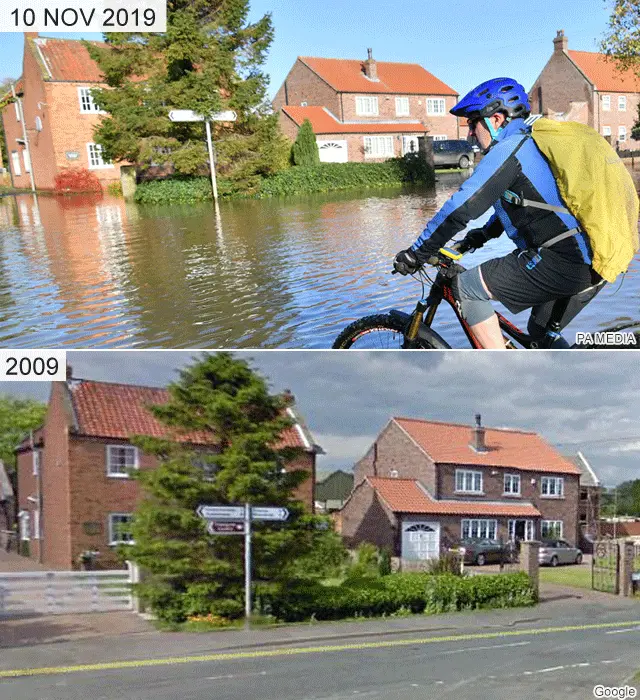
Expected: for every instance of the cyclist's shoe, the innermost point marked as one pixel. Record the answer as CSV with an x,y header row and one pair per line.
x,y
406,262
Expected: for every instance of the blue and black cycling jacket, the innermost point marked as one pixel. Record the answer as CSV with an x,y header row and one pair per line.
x,y
514,163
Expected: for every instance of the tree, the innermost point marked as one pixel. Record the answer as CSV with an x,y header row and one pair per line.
x,y
17,418
625,502
622,42
209,60
305,149
5,99
189,571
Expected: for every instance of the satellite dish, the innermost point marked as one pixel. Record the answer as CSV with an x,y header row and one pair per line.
x,y
38,124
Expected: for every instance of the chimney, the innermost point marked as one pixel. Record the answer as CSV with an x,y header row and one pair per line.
x,y
370,66
477,436
69,373
31,35
560,43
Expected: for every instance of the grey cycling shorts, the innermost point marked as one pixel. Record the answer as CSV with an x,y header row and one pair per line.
x,y
475,304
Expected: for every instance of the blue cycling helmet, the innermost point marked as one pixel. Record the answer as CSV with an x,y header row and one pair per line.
x,y
495,95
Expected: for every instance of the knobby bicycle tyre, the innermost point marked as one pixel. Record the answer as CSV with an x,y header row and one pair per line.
x,y
383,323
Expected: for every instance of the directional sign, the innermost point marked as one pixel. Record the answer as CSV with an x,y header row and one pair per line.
x,y
258,513
221,512
188,115
225,528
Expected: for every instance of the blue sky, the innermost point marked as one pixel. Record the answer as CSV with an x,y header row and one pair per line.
x,y
463,42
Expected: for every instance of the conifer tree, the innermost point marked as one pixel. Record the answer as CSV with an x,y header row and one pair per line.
x,y
305,149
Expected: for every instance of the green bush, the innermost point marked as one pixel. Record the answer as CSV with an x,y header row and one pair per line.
x,y
447,563
174,190
389,595
305,149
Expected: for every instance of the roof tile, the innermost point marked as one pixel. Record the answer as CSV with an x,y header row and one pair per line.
x,y
346,75
603,72
69,60
449,443
323,122
407,496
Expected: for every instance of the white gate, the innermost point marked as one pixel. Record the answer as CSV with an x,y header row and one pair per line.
x,y
333,151
64,592
421,540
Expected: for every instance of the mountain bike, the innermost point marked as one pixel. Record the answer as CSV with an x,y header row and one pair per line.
x,y
398,329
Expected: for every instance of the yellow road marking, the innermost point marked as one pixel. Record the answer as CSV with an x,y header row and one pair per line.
x,y
233,656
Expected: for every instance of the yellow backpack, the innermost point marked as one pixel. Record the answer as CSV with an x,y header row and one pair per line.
x,y
596,187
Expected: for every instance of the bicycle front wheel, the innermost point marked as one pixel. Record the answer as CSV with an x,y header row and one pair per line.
x,y
379,332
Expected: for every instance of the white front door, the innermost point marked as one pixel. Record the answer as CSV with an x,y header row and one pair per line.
x,y
409,144
421,540
333,151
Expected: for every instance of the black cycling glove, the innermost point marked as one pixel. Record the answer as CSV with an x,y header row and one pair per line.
x,y
406,262
475,238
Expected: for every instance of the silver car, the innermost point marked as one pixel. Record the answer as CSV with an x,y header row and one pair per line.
x,y
554,552
453,153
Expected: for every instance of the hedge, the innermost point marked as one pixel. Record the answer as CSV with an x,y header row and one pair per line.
x,y
326,177
397,594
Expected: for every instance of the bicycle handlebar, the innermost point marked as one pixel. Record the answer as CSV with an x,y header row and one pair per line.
x,y
458,246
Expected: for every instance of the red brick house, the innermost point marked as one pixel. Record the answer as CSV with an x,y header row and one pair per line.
x,y
365,110
425,485
59,114
74,490
587,87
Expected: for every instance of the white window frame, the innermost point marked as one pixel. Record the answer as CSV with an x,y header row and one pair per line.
x,y
400,109
387,152
112,528
94,152
15,163
468,481
17,106
529,529
622,134
478,529
36,524
27,161
119,474
510,482
622,103
436,106
87,105
606,131
606,103
25,525
37,461
546,525
440,137
366,106
552,487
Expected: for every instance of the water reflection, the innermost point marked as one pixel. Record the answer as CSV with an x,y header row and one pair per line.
x,y
99,272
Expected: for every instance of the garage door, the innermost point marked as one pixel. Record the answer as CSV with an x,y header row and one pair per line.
x,y
333,151
421,540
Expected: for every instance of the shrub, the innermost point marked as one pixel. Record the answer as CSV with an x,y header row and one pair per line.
x,y
115,189
304,151
77,180
447,563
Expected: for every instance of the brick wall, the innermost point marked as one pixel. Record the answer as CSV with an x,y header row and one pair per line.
x,y
396,451
365,518
303,85
614,118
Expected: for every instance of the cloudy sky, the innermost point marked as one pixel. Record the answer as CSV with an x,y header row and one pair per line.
x,y
586,401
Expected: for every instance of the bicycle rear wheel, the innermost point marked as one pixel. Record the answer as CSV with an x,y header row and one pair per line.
x,y
379,332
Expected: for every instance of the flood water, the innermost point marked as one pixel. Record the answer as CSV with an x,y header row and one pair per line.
x,y
85,272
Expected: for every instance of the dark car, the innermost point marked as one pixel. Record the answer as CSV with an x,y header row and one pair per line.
x,y
453,153
481,552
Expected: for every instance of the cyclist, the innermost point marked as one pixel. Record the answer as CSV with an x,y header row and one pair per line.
x,y
553,256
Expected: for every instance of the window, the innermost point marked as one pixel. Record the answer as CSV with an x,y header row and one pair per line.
x,y
552,487
583,517
622,133
468,481
606,103
27,161
120,528
378,146
366,106
17,107
512,484
440,137
435,106
529,530
87,105
207,464
622,103
15,161
551,529
95,157
36,524
606,131
120,459
479,529
37,461
402,107
25,525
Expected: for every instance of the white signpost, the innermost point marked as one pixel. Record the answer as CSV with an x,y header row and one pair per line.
x,y
188,115
216,525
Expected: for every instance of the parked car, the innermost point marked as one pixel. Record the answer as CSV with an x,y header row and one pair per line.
x,y
554,552
481,552
452,153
